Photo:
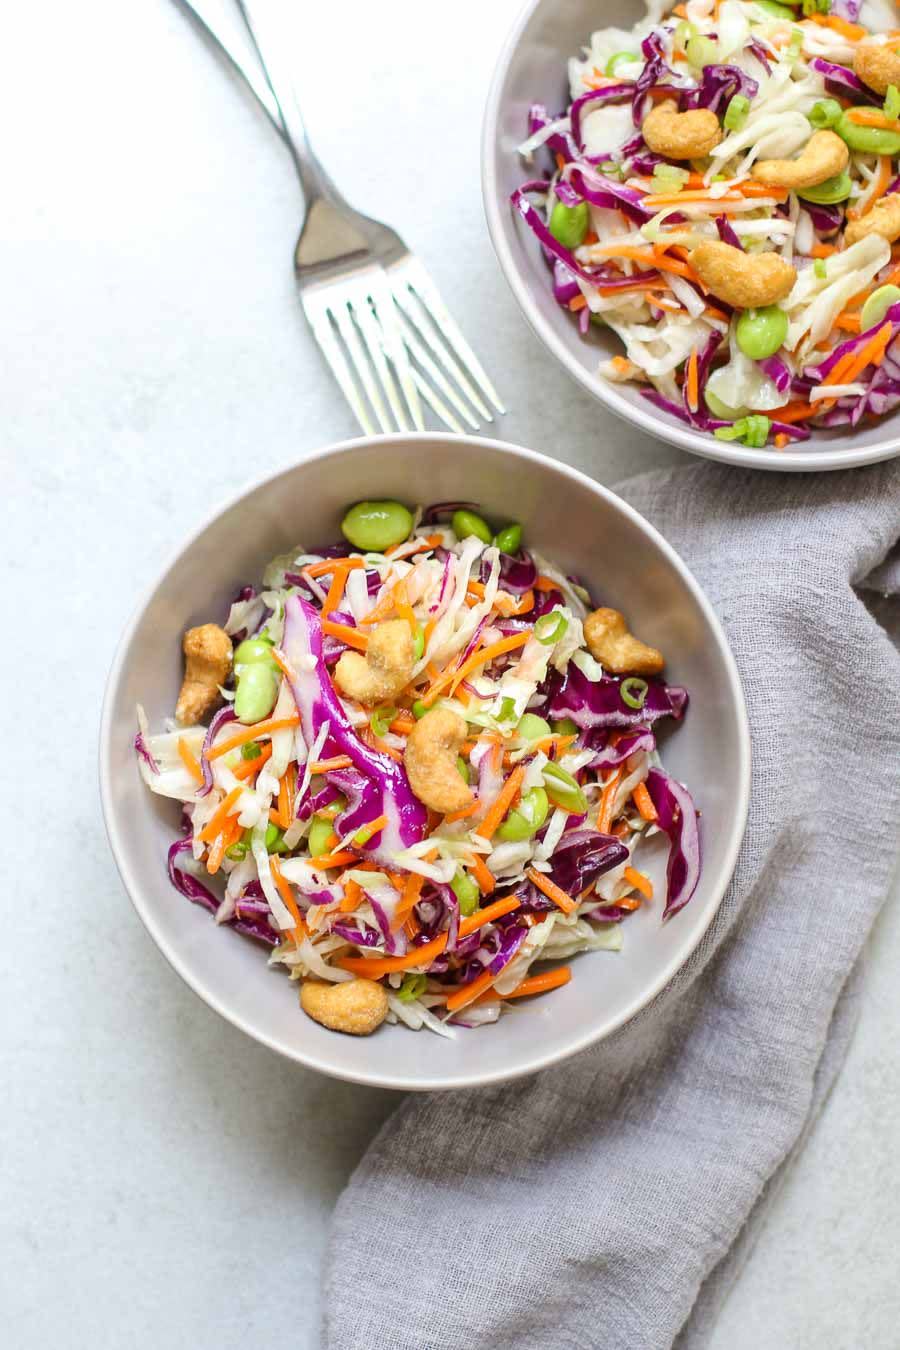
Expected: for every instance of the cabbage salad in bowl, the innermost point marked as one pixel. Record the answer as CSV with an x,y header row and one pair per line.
x,y
722,192
430,766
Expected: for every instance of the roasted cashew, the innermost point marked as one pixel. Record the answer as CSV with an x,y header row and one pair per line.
x,y
355,1006
877,65
207,662
432,748
385,668
687,135
883,219
744,280
618,650
823,156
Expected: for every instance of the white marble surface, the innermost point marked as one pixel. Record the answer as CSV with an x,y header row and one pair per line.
x,y
166,1182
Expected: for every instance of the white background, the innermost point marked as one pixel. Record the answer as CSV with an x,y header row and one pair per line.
x,y
166,1182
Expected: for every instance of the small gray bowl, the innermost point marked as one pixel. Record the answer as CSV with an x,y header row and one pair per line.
x,y
532,68
587,530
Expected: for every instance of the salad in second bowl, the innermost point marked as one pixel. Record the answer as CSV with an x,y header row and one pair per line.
x,y
722,192
431,765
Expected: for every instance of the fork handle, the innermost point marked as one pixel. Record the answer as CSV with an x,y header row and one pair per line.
x,y
270,48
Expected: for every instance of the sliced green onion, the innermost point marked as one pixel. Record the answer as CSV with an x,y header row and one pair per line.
x,y
463,769
819,268
551,627
752,430
825,113
251,750
619,59
320,831
796,43
380,720
634,692
466,892
669,178
892,103
563,790
237,852
736,113
507,709
419,709
364,834
816,7
412,987
418,643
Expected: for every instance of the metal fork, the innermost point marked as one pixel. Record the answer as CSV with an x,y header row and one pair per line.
x,y
365,295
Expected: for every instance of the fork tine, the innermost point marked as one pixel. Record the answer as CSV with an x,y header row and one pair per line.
x,y
375,338
436,404
388,315
415,312
429,295
348,331
323,332
433,372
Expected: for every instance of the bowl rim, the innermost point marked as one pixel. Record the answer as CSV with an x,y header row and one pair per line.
x,y
310,1059
652,422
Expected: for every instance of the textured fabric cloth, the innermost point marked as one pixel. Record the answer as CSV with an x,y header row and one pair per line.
x,y
605,1203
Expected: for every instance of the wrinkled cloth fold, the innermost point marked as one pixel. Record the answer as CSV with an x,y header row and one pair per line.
x,y
607,1202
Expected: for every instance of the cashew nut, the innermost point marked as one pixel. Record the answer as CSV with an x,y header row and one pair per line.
x,y
877,65
823,156
883,219
355,1006
610,643
207,662
681,135
744,280
385,668
430,757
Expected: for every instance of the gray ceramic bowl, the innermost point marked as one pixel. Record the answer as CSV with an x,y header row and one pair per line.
x,y
532,69
587,530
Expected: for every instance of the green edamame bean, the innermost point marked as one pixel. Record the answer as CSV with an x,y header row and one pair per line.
x,y
419,709
532,728
569,224
701,51
466,523
877,305
255,694
509,539
868,140
835,189
760,332
563,726
374,526
720,409
563,790
252,650
466,892
320,831
275,840
463,769
777,11
527,818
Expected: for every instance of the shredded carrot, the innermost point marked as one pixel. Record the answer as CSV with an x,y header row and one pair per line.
x,y
796,412
470,992
541,984
693,383
336,589
320,569
488,914
412,889
344,633
476,588
403,723
287,895
483,875
604,815
463,812
551,890
252,734
375,967
822,250
872,117
352,896
885,174
644,802
781,440
851,365
219,816
546,584
478,658
327,860
853,31
639,882
576,303
326,765
412,928
548,743
501,803
430,541
216,853
560,161
848,323
190,760
680,11
248,767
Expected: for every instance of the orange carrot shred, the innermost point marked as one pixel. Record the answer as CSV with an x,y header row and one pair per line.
x,y
252,734
219,816
190,760
352,637
639,881
483,875
551,890
488,914
644,802
501,803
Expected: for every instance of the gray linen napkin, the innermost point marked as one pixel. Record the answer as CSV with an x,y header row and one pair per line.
x,y
605,1203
